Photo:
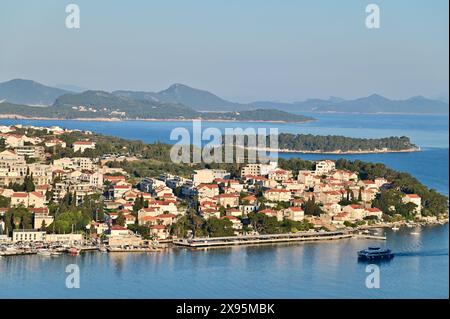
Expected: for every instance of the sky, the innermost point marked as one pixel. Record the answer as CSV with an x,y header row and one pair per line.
x,y
241,50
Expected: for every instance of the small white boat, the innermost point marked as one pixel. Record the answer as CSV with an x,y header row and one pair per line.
x,y
56,253
395,228
44,253
414,233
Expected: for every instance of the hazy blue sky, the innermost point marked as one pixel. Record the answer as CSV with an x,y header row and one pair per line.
x,y
242,50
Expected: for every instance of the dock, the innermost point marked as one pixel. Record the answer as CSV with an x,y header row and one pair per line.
x,y
260,239
133,250
366,236
204,242
17,253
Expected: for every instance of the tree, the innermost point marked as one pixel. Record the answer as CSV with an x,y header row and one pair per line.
x,y
138,204
4,201
311,208
29,183
120,220
360,195
215,227
222,211
180,227
264,224
43,225
195,223
2,144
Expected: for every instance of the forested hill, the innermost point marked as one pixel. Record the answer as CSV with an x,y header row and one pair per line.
x,y
102,105
342,144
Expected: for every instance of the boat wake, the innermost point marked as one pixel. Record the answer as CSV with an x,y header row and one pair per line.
x,y
429,253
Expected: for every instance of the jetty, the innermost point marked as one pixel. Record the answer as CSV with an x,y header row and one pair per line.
x,y
367,236
133,250
17,253
203,242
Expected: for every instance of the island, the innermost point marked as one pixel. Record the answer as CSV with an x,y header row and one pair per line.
x,y
336,144
76,190
104,106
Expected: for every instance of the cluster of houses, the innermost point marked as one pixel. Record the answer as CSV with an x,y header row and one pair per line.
x,y
157,203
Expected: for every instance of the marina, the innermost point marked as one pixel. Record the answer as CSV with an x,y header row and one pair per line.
x,y
201,242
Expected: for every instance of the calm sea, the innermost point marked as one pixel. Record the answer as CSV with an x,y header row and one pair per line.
x,y
308,270
311,270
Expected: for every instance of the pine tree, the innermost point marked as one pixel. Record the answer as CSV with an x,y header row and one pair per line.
x,y
43,225
120,219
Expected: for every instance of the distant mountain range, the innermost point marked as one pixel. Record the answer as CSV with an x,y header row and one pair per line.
x,y
104,105
29,92
372,104
200,100
194,100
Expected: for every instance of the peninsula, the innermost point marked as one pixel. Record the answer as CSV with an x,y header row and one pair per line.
x,y
60,186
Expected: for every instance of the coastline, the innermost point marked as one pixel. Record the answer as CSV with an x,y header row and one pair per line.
x,y
338,152
375,113
226,242
116,119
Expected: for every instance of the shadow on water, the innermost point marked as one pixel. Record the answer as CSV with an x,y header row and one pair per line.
x,y
375,261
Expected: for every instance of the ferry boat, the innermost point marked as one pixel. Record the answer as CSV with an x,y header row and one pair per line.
x,y
373,253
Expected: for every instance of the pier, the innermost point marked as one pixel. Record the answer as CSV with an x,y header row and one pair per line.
x,y
259,239
367,236
204,242
134,250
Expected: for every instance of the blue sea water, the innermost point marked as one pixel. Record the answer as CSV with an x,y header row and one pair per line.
x,y
424,130
309,270
304,270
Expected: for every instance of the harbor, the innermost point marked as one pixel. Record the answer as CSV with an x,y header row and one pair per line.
x,y
56,250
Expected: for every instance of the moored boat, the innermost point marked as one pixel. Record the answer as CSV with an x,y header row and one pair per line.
x,y
44,252
373,253
74,251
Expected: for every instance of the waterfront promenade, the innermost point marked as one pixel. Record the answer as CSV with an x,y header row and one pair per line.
x,y
274,238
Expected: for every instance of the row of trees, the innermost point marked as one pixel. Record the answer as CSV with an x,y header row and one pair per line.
x,y
331,143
